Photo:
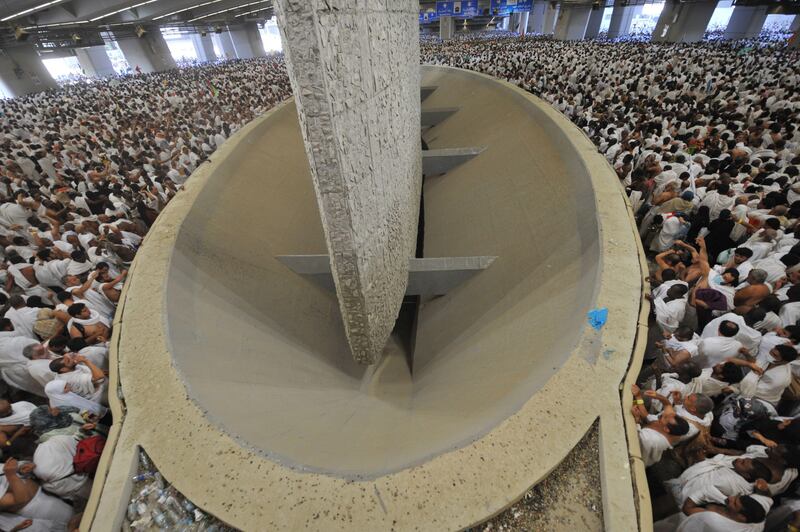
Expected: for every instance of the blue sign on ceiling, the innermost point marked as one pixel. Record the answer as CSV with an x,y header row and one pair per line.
x,y
457,8
427,15
506,7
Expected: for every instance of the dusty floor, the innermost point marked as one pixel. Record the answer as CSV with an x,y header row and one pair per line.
x,y
567,500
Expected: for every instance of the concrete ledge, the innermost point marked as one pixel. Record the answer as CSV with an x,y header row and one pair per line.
x,y
451,490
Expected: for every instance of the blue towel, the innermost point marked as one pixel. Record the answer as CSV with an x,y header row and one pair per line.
x,y
598,317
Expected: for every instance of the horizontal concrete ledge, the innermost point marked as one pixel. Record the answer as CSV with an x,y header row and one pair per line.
x,y
437,162
426,276
424,92
431,117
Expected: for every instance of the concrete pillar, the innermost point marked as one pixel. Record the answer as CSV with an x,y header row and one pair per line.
x,y
593,26
621,18
746,22
204,46
536,20
683,22
225,41
795,23
95,62
505,23
23,72
571,24
241,42
254,36
522,27
447,27
550,16
356,79
150,52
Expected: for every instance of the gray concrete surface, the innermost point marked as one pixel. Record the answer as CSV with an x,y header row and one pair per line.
x,y
354,68
236,374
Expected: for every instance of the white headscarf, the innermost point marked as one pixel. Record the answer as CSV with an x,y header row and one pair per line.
x,y
58,397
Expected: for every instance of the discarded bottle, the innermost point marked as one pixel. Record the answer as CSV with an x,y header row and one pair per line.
x,y
132,512
160,520
144,476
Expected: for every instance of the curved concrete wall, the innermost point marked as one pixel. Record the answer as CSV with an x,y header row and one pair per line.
x,y
236,373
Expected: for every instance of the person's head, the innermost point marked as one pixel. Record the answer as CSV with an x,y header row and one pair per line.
x,y
5,408
6,325
727,372
684,334
756,276
57,344
79,310
677,426
72,280
728,329
740,255
751,469
35,352
698,404
677,291
790,259
64,364
668,275
731,276
782,353
746,507
76,344
16,301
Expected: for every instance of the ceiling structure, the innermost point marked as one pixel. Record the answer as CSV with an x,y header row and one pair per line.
x,y
56,23
60,20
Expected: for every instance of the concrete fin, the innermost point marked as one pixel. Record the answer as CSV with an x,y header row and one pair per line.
x,y
436,162
426,277
426,91
435,115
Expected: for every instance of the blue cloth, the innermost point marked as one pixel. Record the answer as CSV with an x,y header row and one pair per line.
x,y
598,317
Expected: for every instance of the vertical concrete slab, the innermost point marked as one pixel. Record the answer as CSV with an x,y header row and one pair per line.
x,y
593,26
204,47
746,22
241,42
23,72
354,68
572,20
550,16
523,22
254,36
225,41
536,20
680,22
150,52
621,18
94,61
446,28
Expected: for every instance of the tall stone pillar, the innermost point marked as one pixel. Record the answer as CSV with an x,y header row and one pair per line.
x,y
23,72
95,62
241,42
593,26
746,22
150,52
621,18
204,47
550,16
795,23
254,36
536,20
683,22
571,24
355,73
447,27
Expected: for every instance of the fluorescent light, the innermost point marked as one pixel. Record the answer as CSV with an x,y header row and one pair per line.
x,y
123,9
230,9
31,10
56,24
187,9
253,11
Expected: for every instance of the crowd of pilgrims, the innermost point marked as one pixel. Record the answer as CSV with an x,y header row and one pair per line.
x,y
84,171
704,139
702,136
